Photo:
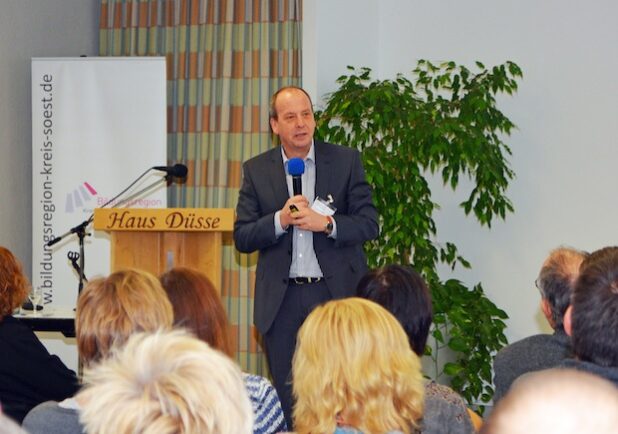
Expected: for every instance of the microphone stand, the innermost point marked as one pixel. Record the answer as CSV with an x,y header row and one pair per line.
x,y
80,231
73,257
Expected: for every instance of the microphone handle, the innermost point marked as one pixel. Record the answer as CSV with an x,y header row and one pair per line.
x,y
297,185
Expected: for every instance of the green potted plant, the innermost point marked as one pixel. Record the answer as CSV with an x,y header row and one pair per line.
x,y
443,120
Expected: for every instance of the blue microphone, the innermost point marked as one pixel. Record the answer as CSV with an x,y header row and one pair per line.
x,y
296,168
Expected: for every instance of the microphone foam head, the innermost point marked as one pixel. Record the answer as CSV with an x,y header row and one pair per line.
x,y
296,166
179,170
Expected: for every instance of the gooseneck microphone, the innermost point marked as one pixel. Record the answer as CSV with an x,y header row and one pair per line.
x,y
296,168
177,170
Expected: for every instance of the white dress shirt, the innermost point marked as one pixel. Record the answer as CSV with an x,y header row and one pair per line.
x,y
304,261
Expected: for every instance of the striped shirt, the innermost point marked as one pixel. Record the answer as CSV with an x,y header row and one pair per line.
x,y
267,412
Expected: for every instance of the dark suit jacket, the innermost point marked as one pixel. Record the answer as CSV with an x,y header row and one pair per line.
x,y
340,173
530,354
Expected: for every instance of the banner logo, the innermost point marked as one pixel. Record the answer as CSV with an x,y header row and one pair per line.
x,y
76,198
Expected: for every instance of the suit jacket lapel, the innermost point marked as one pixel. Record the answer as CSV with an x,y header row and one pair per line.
x,y
323,171
277,178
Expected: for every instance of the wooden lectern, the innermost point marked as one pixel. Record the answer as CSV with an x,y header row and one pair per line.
x,y
156,240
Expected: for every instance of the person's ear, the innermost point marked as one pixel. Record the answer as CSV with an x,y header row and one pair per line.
x,y
546,309
274,125
567,321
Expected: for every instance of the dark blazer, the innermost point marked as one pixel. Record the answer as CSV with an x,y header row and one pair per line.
x,y
340,173
530,354
29,375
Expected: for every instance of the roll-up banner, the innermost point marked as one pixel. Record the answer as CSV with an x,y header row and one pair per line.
x,y
97,125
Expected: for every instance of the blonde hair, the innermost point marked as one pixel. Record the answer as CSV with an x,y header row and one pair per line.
x,y
110,309
165,383
561,401
353,360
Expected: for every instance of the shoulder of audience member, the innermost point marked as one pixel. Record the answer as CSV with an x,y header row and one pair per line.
x,y
445,407
257,385
50,417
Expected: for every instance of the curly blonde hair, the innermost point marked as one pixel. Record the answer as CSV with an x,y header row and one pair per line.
x,y
14,285
165,382
353,362
111,309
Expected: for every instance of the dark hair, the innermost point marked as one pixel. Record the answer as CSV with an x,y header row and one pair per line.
x,y
404,293
595,309
557,279
273,100
197,307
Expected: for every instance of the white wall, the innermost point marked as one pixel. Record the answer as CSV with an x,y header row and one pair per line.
x,y
33,28
336,34
565,149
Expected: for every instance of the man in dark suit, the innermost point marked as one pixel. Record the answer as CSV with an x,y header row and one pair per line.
x,y
556,282
306,257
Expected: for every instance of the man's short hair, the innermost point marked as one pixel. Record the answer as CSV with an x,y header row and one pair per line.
x,y
557,279
273,100
404,293
594,315
165,382
110,309
556,401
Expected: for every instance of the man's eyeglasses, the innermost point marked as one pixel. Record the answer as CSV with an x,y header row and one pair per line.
x,y
537,283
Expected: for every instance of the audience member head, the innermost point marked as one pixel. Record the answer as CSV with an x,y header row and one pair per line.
x,y
165,383
111,309
556,401
592,319
197,307
556,282
14,285
403,292
353,364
